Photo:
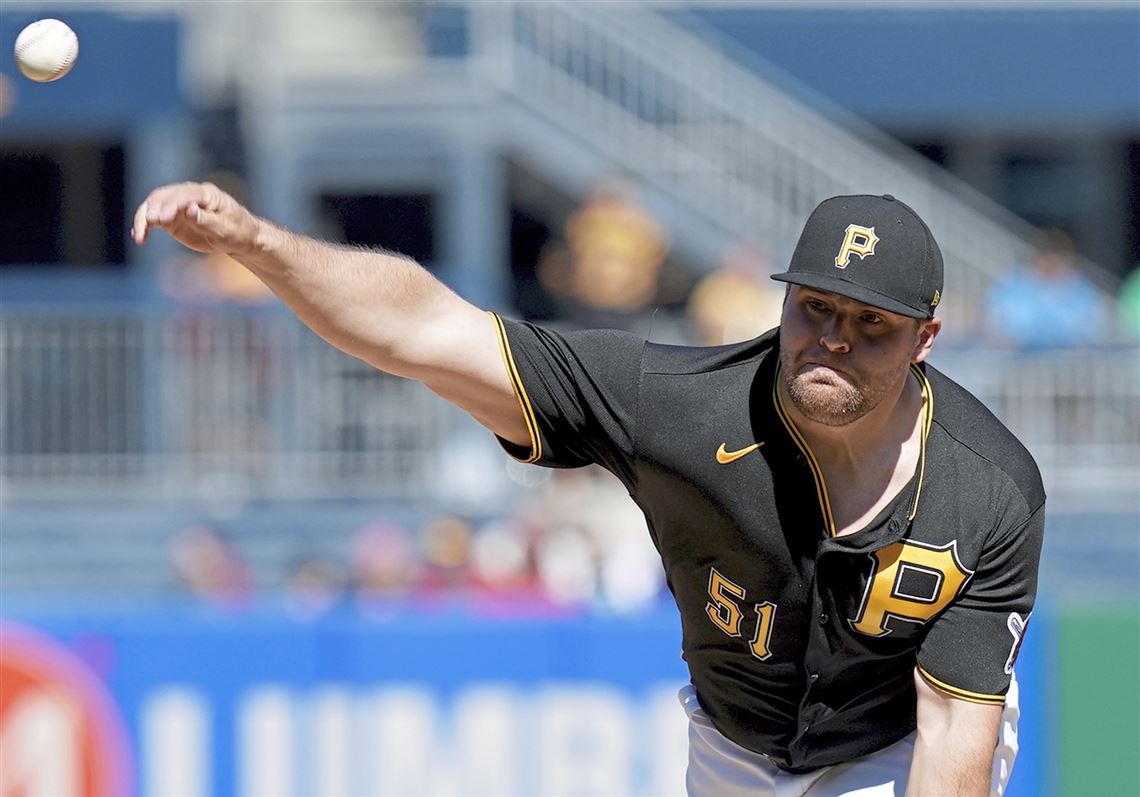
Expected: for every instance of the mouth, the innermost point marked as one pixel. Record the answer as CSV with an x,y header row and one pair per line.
x,y
824,373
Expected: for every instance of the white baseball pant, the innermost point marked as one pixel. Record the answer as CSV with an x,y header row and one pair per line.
x,y
721,768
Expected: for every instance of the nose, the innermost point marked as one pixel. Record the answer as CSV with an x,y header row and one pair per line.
x,y
833,337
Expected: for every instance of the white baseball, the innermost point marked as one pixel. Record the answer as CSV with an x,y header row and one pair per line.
x,y
46,50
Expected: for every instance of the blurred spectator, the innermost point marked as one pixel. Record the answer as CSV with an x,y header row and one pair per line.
x,y
313,586
567,565
504,566
1048,303
632,578
1128,306
446,545
610,266
593,549
208,565
384,564
736,301
501,559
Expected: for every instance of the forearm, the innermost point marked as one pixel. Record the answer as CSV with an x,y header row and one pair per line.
x,y
943,765
377,306
954,746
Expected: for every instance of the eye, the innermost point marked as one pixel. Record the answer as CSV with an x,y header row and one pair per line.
x,y
816,304
871,318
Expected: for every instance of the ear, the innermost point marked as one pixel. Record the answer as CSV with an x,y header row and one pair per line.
x,y
928,330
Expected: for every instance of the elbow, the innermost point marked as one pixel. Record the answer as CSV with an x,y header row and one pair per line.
x,y
420,345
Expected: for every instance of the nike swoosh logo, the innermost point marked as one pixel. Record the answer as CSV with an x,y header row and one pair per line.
x,y
723,456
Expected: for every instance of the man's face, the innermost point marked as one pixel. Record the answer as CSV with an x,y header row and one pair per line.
x,y
840,358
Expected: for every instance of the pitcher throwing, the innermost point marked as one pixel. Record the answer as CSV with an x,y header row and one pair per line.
x,y
851,538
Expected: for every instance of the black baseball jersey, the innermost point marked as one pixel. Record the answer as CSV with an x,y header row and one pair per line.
x,y
801,645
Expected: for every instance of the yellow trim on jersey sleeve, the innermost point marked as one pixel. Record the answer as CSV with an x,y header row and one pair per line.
x,y
961,694
520,392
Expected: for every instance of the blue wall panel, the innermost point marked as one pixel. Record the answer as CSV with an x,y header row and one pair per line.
x,y
235,665
966,69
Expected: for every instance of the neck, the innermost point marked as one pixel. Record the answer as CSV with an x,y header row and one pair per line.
x,y
879,434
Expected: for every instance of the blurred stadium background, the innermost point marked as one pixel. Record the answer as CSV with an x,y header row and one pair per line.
x,y
235,561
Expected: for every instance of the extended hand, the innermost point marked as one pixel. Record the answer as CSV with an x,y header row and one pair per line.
x,y
198,215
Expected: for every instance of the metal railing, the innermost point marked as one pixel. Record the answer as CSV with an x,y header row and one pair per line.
x,y
1077,411
206,404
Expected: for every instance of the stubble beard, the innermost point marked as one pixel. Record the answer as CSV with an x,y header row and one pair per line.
x,y
830,399
832,402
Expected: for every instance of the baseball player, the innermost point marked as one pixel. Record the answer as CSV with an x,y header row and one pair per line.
x,y
851,538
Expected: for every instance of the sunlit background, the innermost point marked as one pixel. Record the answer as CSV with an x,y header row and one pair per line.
x,y
236,561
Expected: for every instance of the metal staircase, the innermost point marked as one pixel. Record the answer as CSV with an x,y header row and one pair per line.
x,y
586,90
727,147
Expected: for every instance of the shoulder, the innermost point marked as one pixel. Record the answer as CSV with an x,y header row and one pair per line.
x,y
609,360
666,359
984,441
604,345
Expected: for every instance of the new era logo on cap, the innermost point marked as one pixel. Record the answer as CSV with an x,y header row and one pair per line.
x,y
873,249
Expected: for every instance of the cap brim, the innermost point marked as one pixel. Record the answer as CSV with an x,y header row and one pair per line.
x,y
843,287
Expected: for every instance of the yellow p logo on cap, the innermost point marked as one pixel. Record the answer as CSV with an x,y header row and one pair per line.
x,y
858,241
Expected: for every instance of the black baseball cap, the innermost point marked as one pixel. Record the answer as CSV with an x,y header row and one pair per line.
x,y
873,249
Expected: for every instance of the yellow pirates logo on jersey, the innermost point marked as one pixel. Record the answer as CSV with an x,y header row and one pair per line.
x,y
909,581
857,241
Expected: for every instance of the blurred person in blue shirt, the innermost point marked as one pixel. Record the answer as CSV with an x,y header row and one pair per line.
x,y
1047,303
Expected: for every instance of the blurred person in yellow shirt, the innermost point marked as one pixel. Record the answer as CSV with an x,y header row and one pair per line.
x,y
617,251
736,301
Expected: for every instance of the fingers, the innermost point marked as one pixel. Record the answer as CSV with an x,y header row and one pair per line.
x,y
139,226
200,216
164,206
